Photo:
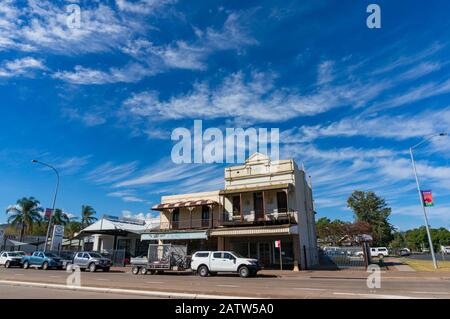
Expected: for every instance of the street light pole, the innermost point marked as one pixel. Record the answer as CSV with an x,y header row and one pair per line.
x,y
430,242
54,200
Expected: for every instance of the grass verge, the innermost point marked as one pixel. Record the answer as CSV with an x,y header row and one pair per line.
x,y
427,265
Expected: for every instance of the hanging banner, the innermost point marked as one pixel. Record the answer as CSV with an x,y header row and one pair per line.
x,y
277,243
48,212
427,198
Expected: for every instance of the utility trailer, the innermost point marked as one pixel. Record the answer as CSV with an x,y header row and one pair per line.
x,y
162,257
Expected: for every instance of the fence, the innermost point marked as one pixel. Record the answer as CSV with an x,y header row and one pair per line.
x,y
341,257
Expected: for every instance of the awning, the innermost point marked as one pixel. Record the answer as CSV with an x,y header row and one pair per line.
x,y
252,188
18,243
174,235
250,231
185,204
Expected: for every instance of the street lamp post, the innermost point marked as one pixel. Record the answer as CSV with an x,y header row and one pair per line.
x,y
54,200
430,242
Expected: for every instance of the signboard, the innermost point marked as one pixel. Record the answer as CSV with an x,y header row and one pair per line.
x,y
277,243
174,236
427,198
48,212
57,238
2,233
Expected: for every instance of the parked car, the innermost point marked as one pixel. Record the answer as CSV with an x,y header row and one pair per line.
x,y
379,252
211,262
10,258
445,249
91,261
404,252
66,258
43,260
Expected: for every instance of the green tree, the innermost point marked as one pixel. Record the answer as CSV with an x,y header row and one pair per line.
x,y
24,215
370,208
87,215
59,217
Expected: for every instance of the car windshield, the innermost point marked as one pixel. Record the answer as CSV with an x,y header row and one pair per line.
x,y
14,255
95,255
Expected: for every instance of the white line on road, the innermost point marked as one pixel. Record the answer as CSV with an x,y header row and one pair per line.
x,y
101,279
431,292
55,276
229,286
312,289
18,274
155,282
124,291
373,295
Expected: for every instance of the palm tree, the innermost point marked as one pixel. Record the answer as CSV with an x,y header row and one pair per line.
x,y
87,218
87,215
59,217
72,228
24,214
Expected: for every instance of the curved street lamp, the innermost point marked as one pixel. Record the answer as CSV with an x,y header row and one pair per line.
x,y
54,199
430,242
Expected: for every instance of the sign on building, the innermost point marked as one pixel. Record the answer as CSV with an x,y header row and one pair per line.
x,y
57,238
427,198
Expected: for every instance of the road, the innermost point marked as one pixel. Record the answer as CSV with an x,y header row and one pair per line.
x,y
311,284
24,292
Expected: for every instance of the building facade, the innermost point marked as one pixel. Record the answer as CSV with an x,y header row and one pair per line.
x,y
263,201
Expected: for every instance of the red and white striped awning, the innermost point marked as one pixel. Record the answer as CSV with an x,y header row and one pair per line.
x,y
184,204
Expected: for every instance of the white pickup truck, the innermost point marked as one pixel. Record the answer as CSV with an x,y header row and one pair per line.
x,y
207,263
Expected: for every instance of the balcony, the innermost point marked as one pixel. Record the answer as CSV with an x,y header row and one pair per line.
x,y
248,219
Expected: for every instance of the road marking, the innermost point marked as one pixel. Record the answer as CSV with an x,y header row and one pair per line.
x,y
155,282
18,274
431,292
374,295
101,279
124,291
55,276
312,289
229,286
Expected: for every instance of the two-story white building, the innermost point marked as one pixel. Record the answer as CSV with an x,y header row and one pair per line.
x,y
263,201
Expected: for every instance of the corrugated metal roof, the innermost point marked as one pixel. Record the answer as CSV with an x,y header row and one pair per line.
x,y
256,188
286,230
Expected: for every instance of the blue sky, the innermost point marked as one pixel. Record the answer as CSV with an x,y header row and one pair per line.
x,y
100,102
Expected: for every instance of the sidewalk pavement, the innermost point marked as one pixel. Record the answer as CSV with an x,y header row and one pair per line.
x,y
401,272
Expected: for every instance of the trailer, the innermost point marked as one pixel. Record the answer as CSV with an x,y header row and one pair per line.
x,y
160,258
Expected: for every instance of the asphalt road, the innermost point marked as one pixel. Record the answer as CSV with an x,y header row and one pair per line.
x,y
311,284
24,292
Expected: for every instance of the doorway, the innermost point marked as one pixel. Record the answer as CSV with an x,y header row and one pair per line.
x,y
258,205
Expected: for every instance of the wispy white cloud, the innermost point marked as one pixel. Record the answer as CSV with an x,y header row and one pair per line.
x,y
20,67
110,172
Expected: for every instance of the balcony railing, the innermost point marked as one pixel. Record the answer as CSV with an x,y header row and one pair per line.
x,y
268,218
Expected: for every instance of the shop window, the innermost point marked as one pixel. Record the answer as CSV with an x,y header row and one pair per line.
x,y
282,202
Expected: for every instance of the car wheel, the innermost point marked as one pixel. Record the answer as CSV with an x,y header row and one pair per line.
x,y
92,267
152,272
7,264
135,270
26,265
244,272
45,266
143,271
381,256
203,271
106,269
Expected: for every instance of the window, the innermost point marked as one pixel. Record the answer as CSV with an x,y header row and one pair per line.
x,y
201,255
217,255
228,256
4,255
80,255
86,255
282,202
176,215
236,205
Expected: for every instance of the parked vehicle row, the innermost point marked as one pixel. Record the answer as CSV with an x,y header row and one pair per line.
x,y
91,261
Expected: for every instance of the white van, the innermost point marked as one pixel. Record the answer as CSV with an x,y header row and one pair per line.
x,y
445,249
